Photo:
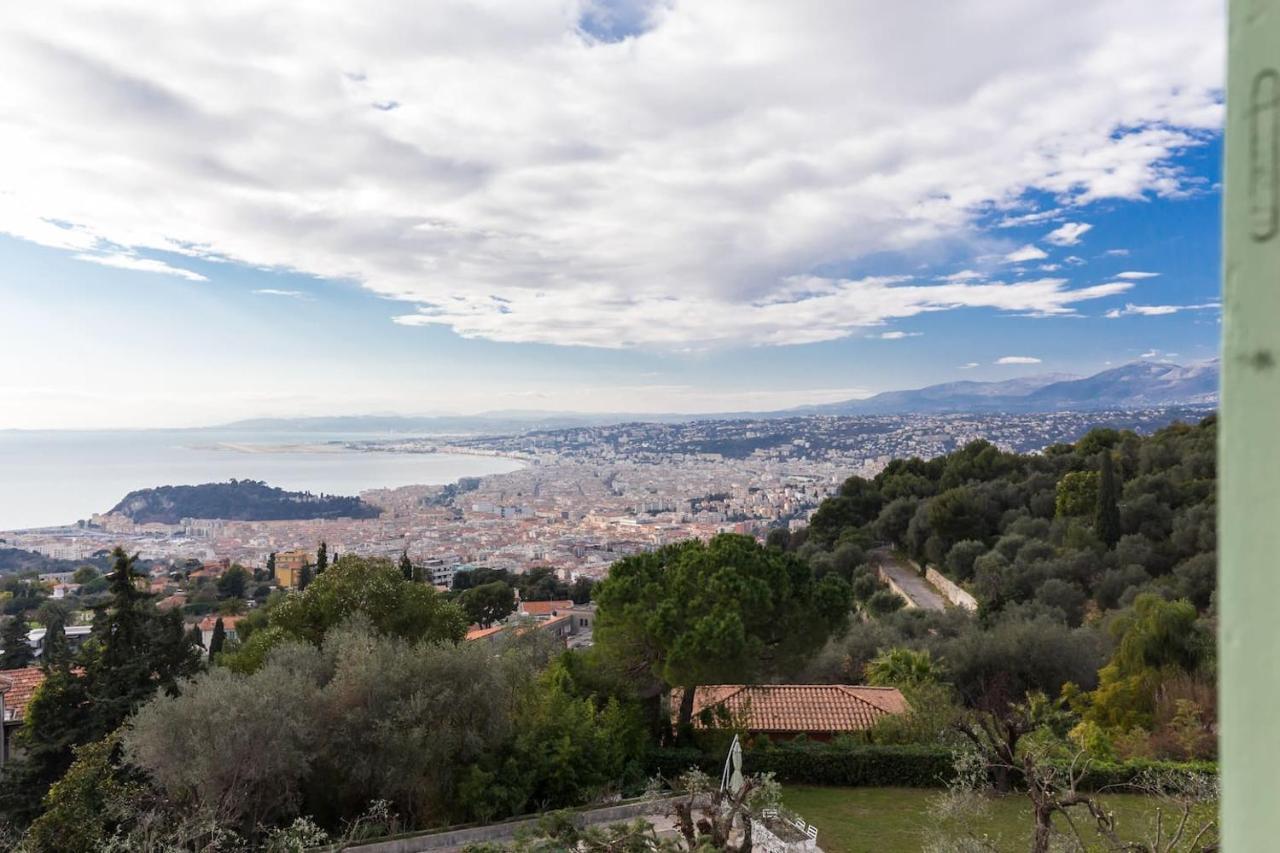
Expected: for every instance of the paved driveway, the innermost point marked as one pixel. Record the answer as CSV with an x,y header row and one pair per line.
x,y
921,593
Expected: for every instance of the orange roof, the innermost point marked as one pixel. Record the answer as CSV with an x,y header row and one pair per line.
x,y
19,685
543,608
228,622
798,707
482,633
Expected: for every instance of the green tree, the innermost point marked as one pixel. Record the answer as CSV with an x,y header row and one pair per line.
x,y
722,611
218,639
1107,520
57,651
84,575
17,651
322,558
271,566
488,603
132,652
304,578
406,565
1157,639
376,589
903,667
1077,494
233,582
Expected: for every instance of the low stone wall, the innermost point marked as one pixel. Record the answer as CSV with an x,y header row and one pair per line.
x,y
449,839
950,590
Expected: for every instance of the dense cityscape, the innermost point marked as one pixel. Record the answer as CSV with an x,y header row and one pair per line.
x,y
590,495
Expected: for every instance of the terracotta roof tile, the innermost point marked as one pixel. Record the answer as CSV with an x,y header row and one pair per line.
x,y
798,707
19,685
228,622
543,608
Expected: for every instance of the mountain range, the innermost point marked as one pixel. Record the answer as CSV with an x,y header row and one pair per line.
x,y
1140,384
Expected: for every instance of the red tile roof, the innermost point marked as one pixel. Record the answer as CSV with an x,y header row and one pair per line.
x,y
228,622
543,608
19,685
475,633
797,707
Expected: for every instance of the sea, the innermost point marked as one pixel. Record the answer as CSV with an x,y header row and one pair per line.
x,y
51,478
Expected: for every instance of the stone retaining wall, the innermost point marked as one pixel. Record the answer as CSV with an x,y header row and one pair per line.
x,y
950,590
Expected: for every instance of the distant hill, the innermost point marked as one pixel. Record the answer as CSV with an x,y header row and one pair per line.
x,y
1141,384
1137,385
236,500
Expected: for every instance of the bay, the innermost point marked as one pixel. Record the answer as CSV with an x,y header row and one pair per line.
x,y
50,478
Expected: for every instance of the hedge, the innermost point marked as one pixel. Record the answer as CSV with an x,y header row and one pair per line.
x,y
825,764
883,766
1100,775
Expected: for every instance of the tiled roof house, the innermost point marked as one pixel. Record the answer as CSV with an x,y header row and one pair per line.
x,y
17,686
819,711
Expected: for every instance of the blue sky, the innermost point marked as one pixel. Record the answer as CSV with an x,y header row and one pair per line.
x,y
635,208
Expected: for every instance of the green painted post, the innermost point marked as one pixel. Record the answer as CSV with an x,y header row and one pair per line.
x,y
1249,435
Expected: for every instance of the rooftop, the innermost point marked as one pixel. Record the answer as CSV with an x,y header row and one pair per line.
x,y
18,686
798,707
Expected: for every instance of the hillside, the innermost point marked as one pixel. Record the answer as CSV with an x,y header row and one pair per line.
x,y
1135,385
236,500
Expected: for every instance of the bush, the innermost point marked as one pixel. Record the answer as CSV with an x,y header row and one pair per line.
x,y
852,765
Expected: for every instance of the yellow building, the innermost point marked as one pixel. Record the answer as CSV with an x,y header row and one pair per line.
x,y
289,567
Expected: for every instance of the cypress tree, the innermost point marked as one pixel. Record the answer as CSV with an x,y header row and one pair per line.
x,y
1107,522
218,640
406,565
17,651
304,578
57,651
271,566
322,558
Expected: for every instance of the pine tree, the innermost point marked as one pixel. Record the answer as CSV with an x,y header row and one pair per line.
x,y
406,565
57,651
271,566
322,558
17,652
304,578
218,640
1107,522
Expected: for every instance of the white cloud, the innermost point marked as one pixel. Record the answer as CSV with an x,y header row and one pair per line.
x,y
897,336
1028,252
1116,253
803,310
1017,359
129,261
969,365
661,190
1131,310
1029,218
271,291
1135,276
1068,234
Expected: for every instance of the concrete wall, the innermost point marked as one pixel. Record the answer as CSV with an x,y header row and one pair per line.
x,y
502,832
950,591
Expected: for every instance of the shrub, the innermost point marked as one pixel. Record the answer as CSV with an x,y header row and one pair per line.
x,y
849,765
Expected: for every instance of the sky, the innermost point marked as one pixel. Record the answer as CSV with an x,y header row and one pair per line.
x,y
211,212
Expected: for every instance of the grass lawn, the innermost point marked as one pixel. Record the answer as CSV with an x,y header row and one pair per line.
x,y
894,820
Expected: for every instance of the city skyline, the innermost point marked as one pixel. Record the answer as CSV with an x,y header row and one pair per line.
x,y
639,207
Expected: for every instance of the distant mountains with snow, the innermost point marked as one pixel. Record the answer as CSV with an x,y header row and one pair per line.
x,y
1138,385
